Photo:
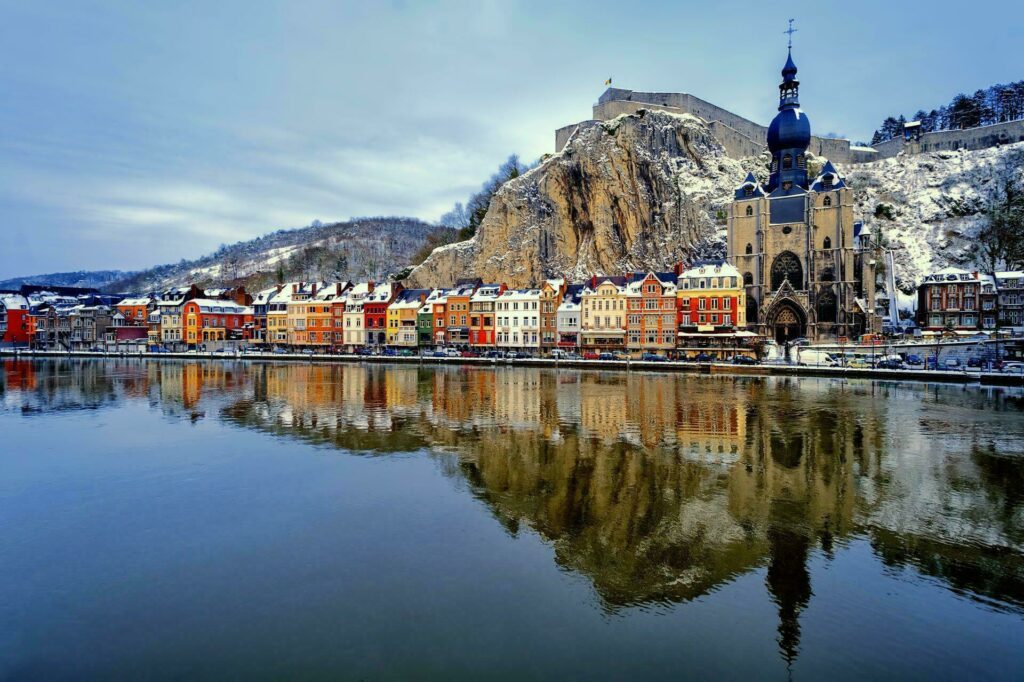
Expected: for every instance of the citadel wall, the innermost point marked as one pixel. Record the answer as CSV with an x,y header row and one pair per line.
x,y
742,137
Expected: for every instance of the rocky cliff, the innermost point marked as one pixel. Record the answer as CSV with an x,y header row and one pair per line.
x,y
641,191
646,190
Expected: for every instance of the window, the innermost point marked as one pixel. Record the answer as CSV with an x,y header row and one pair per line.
x,y
787,162
826,181
750,249
827,201
750,210
801,162
827,244
748,279
748,191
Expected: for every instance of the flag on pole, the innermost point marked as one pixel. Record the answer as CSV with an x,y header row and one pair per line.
x,y
608,82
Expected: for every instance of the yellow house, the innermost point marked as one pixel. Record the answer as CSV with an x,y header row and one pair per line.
x,y
603,308
401,317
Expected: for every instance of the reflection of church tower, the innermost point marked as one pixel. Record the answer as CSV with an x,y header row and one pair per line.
x,y
805,270
789,581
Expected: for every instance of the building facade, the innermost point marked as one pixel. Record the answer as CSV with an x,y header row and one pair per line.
x,y
956,300
807,270
603,315
651,316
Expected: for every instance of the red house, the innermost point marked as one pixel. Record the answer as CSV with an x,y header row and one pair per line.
x,y
375,312
14,320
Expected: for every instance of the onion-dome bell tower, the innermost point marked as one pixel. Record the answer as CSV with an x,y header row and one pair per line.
x,y
789,136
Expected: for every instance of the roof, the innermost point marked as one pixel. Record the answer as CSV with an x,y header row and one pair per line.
x,y
711,269
13,301
750,182
819,182
216,305
135,301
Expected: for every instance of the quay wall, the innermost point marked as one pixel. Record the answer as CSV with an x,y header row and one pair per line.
x,y
919,375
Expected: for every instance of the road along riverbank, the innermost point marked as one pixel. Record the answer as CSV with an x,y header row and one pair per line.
x,y
922,375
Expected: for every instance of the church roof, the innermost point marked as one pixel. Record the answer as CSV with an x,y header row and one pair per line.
x,y
751,182
819,182
789,70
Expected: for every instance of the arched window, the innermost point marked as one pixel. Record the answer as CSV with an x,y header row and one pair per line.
x,y
801,161
827,201
827,275
826,307
787,162
750,210
748,279
787,267
750,249
827,244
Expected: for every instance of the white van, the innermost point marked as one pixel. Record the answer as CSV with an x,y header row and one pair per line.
x,y
812,357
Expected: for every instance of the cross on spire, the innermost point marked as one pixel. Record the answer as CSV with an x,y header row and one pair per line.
x,y
790,31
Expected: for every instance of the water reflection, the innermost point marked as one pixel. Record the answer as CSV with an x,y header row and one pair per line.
x,y
658,489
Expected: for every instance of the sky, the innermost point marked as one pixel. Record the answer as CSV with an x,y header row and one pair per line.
x,y
139,133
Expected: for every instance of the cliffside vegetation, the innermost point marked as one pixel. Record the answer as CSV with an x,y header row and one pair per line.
x,y
995,104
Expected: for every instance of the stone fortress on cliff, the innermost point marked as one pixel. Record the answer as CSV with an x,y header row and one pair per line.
x,y
742,137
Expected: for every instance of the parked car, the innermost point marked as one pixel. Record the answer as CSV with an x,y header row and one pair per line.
x,y
889,363
308,351
591,355
703,357
494,354
606,356
280,351
390,352
452,353
95,349
470,354
1013,367
514,355
914,360
225,350
743,360
975,362
653,357
562,354
406,353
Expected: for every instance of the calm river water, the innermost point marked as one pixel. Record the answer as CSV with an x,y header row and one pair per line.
x,y
218,519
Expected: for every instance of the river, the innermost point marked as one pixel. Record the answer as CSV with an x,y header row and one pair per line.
x,y
213,519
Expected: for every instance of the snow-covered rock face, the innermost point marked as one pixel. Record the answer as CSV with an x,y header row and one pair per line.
x,y
646,190
938,203
637,192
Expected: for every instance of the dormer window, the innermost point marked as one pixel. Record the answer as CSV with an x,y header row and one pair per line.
x,y
826,181
750,210
787,162
801,161
748,191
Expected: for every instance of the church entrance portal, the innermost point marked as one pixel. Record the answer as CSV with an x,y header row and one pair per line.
x,y
788,323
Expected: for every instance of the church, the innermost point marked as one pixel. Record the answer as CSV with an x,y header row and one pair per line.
x,y
808,268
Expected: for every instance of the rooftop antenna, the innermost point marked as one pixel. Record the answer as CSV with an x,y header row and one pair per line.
x,y
790,31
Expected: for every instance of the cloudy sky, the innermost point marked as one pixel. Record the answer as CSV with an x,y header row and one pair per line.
x,y
136,133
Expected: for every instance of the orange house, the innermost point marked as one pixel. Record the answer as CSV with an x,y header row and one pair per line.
x,y
207,320
136,310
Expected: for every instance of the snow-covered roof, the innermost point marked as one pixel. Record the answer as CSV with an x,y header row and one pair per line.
x,y
13,301
216,305
135,301
911,124
716,269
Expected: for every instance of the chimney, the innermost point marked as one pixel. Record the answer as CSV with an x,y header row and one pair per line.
x,y
678,269
369,286
295,288
593,281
